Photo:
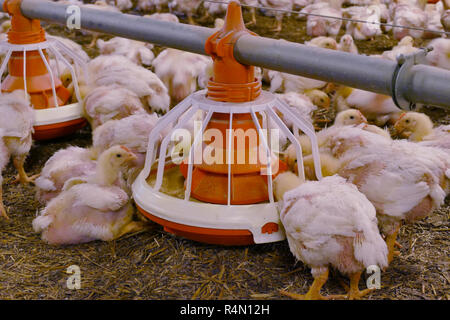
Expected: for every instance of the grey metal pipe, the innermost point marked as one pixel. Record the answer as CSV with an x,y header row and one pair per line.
x,y
418,84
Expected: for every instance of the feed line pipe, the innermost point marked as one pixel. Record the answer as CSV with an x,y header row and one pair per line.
x,y
406,80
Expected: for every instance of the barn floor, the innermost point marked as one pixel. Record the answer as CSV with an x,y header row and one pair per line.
x,y
157,265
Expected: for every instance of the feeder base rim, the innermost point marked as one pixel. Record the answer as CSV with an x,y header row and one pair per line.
x,y
255,217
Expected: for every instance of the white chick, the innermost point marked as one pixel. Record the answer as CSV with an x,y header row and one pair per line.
x,y
16,123
320,26
434,12
107,103
360,133
132,132
179,71
169,17
409,16
187,7
360,30
136,51
346,44
150,5
277,5
215,8
329,223
375,107
440,55
120,4
90,209
118,70
418,127
300,104
63,165
285,82
404,46
323,42
402,180
445,20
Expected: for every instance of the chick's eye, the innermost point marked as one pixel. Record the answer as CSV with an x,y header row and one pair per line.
x,y
352,117
118,155
407,121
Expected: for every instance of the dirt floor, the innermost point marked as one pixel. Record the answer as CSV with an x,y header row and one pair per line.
x,y
157,265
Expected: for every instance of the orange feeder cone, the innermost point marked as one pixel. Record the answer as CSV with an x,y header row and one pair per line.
x,y
32,74
235,83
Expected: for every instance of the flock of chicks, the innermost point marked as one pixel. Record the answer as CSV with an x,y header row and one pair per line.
x,y
348,220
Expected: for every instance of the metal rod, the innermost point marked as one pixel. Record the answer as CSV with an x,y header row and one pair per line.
x,y
423,84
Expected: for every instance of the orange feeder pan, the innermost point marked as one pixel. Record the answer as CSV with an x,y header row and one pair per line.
x,y
228,201
29,70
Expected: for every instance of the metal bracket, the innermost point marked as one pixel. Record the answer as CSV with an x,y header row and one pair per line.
x,y
401,74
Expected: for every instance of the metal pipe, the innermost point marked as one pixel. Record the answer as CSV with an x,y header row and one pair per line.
x,y
419,84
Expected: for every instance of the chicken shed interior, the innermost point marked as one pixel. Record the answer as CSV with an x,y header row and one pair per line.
x,y
155,262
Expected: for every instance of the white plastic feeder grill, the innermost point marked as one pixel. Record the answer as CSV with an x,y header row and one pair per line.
x,y
228,203
29,70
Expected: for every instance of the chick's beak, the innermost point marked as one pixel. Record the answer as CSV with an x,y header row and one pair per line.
x,y
131,157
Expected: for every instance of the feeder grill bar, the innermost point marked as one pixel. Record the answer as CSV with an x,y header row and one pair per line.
x,y
418,83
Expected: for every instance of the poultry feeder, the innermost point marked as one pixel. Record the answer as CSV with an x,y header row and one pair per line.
x,y
29,70
226,202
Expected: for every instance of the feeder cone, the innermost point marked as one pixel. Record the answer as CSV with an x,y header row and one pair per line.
x,y
232,82
38,80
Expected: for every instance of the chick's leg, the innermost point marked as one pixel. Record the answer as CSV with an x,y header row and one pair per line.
x,y
133,227
253,17
354,293
22,176
2,207
391,241
320,278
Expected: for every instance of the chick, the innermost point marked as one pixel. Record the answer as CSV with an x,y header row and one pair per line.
x,y
346,44
404,46
330,223
285,82
106,103
434,13
63,165
323,42
404,181
405,14
120,71
418,127
179,71
16,123
300,104
187,7
150,5
277,5
90,209
136,51
316,25
375,107
360,30
120,4
132,132
169,17
440,55
215,8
